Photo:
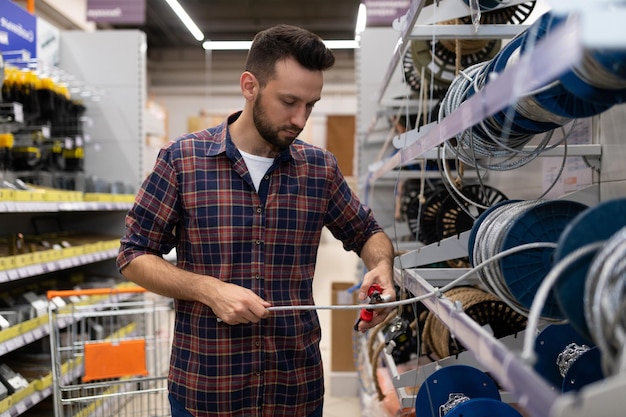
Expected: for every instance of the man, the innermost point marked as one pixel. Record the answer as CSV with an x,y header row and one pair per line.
x,y
244,204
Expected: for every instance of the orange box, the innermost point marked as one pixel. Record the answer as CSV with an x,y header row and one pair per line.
x,y
104,360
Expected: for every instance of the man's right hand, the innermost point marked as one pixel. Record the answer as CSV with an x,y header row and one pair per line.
x,y
233,304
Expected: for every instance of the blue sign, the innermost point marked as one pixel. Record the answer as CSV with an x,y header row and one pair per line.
x,y
18,32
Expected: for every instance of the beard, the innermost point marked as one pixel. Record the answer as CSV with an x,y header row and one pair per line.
x,y
268,132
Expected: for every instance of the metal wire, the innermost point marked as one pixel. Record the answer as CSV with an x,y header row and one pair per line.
x,y
491,234
605,308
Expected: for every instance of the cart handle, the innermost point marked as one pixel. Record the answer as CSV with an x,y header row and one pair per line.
x,y
94,291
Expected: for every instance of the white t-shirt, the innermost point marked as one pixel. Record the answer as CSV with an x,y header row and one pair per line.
x,y
257,166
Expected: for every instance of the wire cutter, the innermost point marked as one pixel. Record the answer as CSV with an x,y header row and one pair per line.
x,y
375,294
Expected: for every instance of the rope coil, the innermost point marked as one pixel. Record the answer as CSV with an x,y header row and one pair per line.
x,y
482,307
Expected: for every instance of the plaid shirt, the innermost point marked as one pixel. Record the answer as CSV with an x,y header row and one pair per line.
x,y
201,200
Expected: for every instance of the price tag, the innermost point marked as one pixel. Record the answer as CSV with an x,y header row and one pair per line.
x,y
28,337
13,274
20,407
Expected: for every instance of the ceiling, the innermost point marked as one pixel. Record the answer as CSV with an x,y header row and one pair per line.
x,y
177,60
242,19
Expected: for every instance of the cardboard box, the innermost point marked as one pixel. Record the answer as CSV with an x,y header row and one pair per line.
x,y
342,332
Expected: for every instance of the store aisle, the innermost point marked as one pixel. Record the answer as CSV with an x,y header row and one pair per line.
x,y
334,264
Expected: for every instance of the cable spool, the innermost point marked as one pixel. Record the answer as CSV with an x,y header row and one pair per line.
x,y
486,4
439,62
584,367
517,277
605,290
589,88
460,391
551,344
414,80
482,307
452,219
596,80
425,226
594,224
513,15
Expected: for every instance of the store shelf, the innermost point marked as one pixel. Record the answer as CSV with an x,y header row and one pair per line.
x,y
60,206
532,392
550,58
558,52
33,264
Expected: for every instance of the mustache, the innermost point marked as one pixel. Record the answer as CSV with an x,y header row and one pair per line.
x,y
294,129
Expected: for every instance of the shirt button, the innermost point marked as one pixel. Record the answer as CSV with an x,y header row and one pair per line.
x,y
257,276
257,373
258,242
266,177
257,343
259,210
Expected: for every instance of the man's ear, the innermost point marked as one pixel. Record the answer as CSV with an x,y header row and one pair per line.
x,y
249,85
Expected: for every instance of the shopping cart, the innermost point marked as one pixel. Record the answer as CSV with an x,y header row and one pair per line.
x,y
110,352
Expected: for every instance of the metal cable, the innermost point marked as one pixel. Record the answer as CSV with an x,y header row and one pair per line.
x,y
605,288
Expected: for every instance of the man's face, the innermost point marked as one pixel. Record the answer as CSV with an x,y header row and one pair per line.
x,y
283,106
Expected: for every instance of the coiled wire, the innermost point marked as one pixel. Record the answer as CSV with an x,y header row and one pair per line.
x,y
497,142
491,234
605,302
489,139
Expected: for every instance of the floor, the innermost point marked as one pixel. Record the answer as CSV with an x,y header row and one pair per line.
x,y
334,264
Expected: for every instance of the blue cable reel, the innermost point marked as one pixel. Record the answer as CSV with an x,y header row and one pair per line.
x,y
549,344
595,224
471,241
477,394
524,271
573,96
486,4
483,407
585,370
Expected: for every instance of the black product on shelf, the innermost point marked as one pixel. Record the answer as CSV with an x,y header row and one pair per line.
x,y
12,380
454,218
4,392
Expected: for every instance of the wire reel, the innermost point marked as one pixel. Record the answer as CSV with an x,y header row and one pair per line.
x,y
516,278
512,15
604,302
460,391
424,226
414,80
439,59
565,359
484,308
454,218
595,224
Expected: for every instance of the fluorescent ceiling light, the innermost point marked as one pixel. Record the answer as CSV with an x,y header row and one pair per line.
x,y
227,45
245,45
184,17
361,19
347,44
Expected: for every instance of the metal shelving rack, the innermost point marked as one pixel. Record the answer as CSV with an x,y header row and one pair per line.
x,y
553,56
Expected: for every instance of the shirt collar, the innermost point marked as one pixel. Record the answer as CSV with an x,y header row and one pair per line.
x,y
225,143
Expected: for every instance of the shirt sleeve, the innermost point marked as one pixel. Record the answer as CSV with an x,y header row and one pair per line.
x,y
151,222
347,218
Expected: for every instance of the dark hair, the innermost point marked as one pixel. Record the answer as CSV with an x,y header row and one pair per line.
x,y
285,41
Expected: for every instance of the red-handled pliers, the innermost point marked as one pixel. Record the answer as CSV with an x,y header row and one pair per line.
x,y
374,293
